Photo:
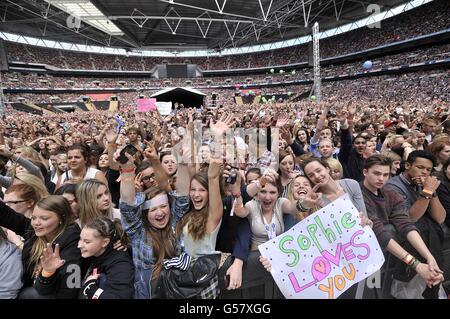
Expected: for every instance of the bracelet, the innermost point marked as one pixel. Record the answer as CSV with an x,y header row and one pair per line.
x,y
414,263
127,170
300,207
408,259
236,195
427,191
47,274
424,195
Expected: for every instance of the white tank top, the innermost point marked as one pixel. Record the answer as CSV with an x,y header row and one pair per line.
x,y
204,246
90,173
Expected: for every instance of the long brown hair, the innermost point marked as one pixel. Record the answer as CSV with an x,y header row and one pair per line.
x,y
60,206
163,240
197,219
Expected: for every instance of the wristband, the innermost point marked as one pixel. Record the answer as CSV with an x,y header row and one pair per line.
x,y
414,263
408,259
127,170
47,274
424,195
300,207
236,195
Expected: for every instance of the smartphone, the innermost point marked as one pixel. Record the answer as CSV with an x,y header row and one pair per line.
x,y
227,281
130,149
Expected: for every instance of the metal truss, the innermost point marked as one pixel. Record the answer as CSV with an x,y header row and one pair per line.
x,y
325,34
277,15
316,60
46,14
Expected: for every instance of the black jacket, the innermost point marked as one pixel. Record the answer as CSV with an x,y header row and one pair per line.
x,y
443,193
68,242
352,162
116,280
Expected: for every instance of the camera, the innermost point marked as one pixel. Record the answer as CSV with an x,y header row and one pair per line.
x,y
231,179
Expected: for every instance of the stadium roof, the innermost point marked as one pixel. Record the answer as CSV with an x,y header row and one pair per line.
x,y
164,91
179,24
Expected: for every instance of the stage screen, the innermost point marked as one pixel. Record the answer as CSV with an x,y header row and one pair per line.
x,y
177,71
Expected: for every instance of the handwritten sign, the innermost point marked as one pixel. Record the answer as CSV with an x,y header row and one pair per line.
x,y
325,254
146,105
164,108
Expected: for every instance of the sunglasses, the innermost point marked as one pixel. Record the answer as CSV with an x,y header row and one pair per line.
x,y
15,202
148,177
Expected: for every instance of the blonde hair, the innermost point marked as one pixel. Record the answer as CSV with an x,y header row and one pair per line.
x,y
335,165
87,200
392,139
299,216
34,182
29,153
392,156
62,156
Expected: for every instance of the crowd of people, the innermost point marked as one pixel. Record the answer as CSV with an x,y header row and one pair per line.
x,y
134,222
426,85
139,205
426,19
19,80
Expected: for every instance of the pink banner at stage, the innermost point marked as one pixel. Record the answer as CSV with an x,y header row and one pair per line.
x,y
100,96
146,105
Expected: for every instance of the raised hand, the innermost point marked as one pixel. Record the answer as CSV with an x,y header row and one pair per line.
x,y
313,198
222,125
351,109
50,259
214,166
111,135
342,116
236,186
138,184
269,176
286,135
150,150
283,120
